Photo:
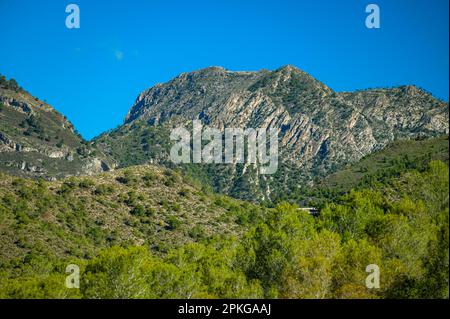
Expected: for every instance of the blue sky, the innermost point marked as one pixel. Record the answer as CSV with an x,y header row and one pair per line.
x,y
93,74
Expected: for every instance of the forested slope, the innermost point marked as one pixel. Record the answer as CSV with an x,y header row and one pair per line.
x,y
401,225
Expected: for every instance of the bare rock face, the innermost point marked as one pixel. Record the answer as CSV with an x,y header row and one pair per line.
x,y
94,166
6,145
319,129
18,105
56,154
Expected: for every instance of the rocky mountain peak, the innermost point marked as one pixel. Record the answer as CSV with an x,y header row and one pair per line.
x,y
319,130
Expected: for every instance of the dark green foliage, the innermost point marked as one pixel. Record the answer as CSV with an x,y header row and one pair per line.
x,y
103,189
10,84
128,178
86,183
138,210
173,222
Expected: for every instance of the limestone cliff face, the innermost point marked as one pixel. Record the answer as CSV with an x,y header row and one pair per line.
x,y
318,128
37,141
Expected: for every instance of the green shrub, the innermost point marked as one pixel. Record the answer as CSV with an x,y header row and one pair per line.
x,y
138,210
173,222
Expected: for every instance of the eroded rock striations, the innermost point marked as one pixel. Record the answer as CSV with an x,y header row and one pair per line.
x,y
319,129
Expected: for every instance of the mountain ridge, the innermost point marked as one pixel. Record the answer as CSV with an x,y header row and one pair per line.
x,y
319,129
38,141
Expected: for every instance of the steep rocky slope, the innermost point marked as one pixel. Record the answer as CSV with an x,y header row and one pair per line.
x,y
319,130
37,141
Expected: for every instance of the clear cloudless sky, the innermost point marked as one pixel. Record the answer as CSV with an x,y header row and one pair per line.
x,y
94,74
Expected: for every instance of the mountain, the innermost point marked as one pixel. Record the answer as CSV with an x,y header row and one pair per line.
x,y
147,231
37,141
319,130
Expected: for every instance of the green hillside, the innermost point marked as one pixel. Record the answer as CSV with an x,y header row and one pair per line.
x,y
145,205
116,239
378,167
390,161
